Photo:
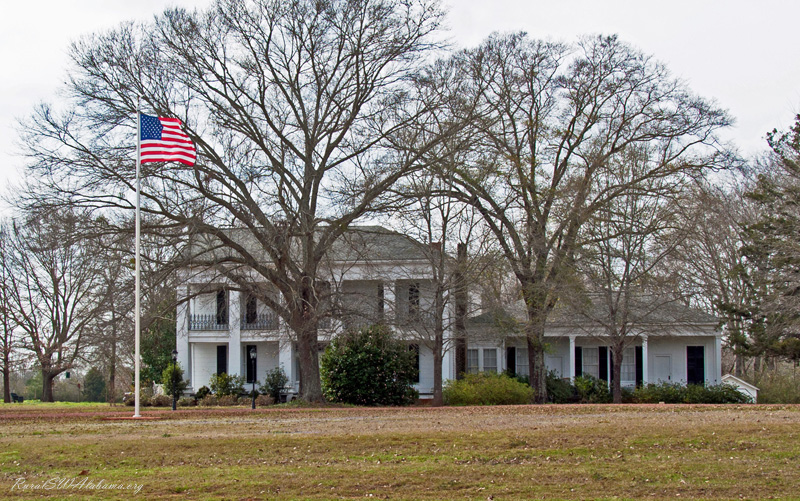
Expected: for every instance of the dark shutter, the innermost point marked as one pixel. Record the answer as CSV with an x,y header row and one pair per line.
x,y
222,358
251,363
578,361
602,371
511,360
639,366
695,365
415,349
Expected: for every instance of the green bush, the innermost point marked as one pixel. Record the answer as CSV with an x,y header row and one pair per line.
x,y
676,393
591,390
225,384
560,391
172,379
487,388
274,382
368,367
202,393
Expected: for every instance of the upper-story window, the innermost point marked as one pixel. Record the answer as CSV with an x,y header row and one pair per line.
x,y
222,306
413,301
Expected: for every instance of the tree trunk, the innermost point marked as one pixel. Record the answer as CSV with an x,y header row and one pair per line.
x,y
461,301
6,380
310,387
47,385
112,367
616,373
438,356
536,365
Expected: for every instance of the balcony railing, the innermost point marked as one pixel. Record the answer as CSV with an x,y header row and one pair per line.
x,y
206,323
262,322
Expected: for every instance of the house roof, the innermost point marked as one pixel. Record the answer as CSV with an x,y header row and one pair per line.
x,y
730,378
358,243
646,311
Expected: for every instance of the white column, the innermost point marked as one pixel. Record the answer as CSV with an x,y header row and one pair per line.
x,y
645,376
286,360
389,302
235,334
572,358
717,359
182,332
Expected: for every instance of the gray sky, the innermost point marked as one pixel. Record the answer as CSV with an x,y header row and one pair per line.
x,y
743,54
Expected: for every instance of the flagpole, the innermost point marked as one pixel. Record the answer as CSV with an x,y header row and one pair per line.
x,y
137,322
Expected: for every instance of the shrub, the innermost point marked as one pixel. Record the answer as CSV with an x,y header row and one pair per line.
x,y
202,392
274,382
208,401
560,391
590,389
676,393
487,388
161,401
225,384
227,400
172,379
186,402
264,400
653,393
368,367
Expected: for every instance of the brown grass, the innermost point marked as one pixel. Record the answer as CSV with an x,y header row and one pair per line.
x,y
515,452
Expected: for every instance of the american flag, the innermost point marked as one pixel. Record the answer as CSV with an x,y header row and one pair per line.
x,y
162,140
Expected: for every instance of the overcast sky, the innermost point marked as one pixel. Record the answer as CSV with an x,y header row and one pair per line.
x,y
743,54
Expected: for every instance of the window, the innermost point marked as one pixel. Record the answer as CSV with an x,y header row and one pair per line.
x,y
628,371
472,361
522,361
250,310
413,301
222,307
489,360
415,349
591,362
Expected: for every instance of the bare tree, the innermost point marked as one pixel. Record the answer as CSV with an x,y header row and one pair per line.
x,y
443,225
624,246
293,107
53,291
8,341
710,264
554,118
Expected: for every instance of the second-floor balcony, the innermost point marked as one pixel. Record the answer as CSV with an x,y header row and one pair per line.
x,y
260,322
207,322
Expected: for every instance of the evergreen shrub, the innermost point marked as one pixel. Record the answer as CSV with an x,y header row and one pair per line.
x,y
368,367
487,388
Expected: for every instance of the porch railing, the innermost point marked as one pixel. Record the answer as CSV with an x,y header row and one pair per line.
x,y
206,323
261,322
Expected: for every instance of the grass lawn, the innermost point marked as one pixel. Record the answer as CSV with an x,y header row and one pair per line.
x,y
515,452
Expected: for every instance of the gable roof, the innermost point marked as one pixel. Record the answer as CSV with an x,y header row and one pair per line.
x,y
359,243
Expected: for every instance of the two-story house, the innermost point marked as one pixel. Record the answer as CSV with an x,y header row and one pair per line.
x,y
375,275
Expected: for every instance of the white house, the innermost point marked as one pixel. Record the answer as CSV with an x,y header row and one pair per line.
x,y
377,275
673,343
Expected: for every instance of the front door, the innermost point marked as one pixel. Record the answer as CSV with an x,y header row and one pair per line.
x,y
662,368
695,365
